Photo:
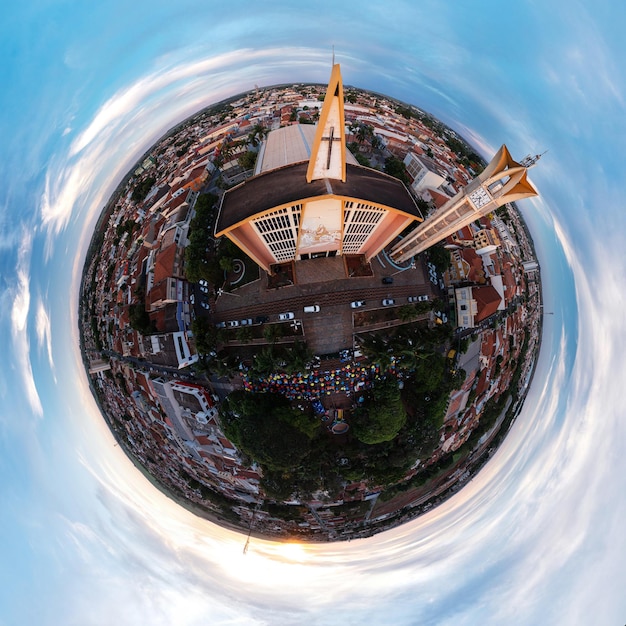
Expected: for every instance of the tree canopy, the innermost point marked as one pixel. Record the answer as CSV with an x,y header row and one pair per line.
x,y
265,427
396,168
197,264
382,415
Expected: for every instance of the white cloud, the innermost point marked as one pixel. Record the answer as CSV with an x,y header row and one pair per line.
x,y
19,324
131,120
44,333
519,530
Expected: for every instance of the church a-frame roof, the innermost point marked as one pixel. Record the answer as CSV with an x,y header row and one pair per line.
x,y
287,186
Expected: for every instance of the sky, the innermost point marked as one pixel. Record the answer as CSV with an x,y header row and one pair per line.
x,y
536,537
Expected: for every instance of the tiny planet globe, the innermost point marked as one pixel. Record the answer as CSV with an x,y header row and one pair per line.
x,y
311,311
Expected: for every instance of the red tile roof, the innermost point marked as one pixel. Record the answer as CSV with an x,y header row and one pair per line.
x,y
487,301
164,263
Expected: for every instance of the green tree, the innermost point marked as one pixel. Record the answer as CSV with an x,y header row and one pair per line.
x,y
261,426
440,258
272,332
226,263
142,188
376,349
140,320
298,356
396,168
244,334
407,312
363,132
206,335
197,265
247,160
265,361
429,373
257,134
362,159
381,416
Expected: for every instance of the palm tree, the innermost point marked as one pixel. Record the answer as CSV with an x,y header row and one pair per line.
x,y
376,349
409,358
244,334
265,361
272,332
298,357
363,132
256,135
407,312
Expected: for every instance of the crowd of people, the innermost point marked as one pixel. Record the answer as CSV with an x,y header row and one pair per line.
x,y
348,379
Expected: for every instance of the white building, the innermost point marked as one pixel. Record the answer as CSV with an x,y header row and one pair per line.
x,y
423,171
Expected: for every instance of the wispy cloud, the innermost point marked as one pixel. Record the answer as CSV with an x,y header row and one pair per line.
x,y
44,332
19,324
514,544
133,118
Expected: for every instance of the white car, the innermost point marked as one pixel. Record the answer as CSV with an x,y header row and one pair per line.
x,y
247,322
422,299
412,299
388,302
286,316
232,323
357,304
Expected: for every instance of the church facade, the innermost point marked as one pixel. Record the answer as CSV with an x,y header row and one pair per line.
x,y
312,199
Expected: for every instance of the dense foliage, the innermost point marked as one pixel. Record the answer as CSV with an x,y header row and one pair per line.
x,y
439,257
142,189
381,415
140,320
265,427
396,168
197,258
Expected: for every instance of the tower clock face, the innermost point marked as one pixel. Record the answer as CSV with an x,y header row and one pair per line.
x,y
479,197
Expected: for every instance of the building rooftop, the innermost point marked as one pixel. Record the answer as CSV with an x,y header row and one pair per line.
x,y
289,145
287,186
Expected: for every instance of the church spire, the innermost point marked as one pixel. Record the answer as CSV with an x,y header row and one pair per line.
x,y
328,155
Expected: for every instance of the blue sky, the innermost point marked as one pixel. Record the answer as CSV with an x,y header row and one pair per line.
x,y
536,538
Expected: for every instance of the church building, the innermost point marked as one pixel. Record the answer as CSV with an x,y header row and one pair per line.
x,y
311,198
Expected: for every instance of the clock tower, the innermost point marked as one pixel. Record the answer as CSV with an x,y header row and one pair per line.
x,y
503,180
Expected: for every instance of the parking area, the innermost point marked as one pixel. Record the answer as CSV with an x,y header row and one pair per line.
x,y
324,288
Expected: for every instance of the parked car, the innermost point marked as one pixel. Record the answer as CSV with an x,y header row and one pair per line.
x,y
423,298
261,319
312,308
388,302
192,299
387,280
220,325
412,299
232,323
357,304
205,306
247,322
286,316
203,283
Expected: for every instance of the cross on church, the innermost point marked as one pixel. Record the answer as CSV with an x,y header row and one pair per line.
x,y
330,140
